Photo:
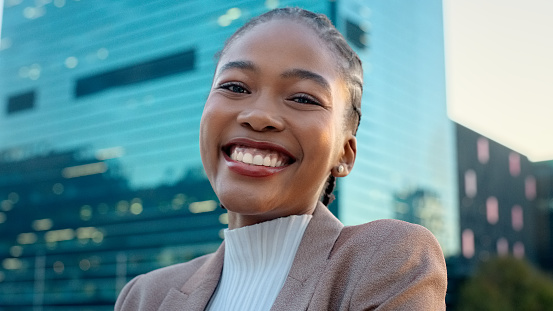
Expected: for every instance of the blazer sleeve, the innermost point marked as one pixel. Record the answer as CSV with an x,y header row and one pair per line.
x,y
407,272
122,302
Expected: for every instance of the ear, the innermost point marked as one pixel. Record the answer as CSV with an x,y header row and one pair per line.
x,y
347,159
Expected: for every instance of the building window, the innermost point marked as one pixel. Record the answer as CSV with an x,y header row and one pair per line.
x,y
136,73
357,34
502,247
470,184
518,250
530,188
21,102
483,150
492,210
467,241
514,164
517,218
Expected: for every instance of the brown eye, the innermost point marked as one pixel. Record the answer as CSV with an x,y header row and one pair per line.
x,y
306,99
234,87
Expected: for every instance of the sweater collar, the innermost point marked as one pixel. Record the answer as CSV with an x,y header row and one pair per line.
x,y
254,247
313,253
256,264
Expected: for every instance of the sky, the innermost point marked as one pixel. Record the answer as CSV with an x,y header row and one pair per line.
x,y
499,71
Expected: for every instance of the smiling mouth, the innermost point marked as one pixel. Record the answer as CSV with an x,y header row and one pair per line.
x,y
258,157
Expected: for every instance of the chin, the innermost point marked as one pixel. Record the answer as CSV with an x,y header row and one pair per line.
x,y
249,206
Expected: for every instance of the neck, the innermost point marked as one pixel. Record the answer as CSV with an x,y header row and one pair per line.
x,y
238,220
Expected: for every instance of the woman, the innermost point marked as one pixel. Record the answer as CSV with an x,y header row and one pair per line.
x,y
278,127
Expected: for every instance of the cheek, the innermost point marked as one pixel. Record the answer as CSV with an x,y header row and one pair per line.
x,y
319,142
209,121
216,119
329,143
204,132
208,134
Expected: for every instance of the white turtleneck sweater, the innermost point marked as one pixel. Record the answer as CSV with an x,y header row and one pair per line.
x,y
256,263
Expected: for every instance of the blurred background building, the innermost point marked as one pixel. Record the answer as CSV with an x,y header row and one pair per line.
x,y
100,173
406,142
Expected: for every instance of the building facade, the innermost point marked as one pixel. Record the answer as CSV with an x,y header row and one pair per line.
x,y
504,201
100,172
406,142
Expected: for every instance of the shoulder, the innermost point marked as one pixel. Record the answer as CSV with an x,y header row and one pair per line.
x,y
401,265
150,289
387,234
176,274
391,244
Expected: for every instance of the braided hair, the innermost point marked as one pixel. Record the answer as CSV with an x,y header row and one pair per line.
x,y
328,196
347,61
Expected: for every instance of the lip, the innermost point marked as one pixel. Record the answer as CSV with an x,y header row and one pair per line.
x,y
254,170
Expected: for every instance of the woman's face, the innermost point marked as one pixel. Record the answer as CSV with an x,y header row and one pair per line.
x,y
273,128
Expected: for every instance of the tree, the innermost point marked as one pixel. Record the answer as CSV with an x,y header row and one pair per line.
x,y
506,284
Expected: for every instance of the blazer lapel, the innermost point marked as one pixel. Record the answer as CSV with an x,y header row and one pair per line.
x,y
196,292
314,250
311,257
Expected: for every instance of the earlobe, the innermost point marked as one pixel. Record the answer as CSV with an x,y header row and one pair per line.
x,y
345,164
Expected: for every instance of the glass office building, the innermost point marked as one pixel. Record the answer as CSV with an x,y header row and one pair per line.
x,y
406,162
100,173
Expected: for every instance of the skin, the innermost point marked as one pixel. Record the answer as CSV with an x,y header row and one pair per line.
x,y
275,87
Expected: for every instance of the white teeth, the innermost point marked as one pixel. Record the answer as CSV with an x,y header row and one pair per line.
x,y
248,158
258,160
267,161
255,158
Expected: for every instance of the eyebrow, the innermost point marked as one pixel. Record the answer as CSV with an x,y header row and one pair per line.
x,y
307,75
240,64
292,73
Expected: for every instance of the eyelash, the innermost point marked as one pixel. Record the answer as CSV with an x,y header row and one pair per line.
x,y
300,98
307,99
230,85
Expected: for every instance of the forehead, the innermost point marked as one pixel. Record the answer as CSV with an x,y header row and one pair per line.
x,y
283,42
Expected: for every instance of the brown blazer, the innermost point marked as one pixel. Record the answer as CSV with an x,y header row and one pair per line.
x,y
381,265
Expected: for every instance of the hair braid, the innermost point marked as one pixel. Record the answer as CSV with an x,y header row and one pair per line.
x,y
328,196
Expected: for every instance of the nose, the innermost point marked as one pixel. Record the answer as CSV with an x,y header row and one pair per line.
x,y
261,116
